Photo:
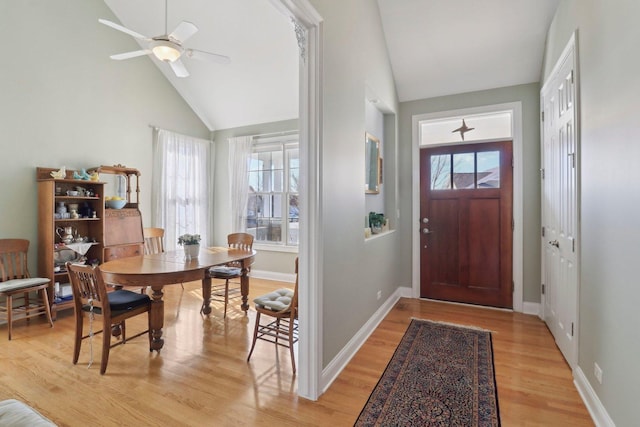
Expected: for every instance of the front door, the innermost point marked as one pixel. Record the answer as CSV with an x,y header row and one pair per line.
x,y
466,223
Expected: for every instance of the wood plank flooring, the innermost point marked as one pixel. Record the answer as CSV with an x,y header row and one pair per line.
x,y
201,377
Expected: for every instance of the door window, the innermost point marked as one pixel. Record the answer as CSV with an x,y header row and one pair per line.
x,y
457,171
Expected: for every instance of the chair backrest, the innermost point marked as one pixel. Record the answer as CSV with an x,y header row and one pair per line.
x,y
242,241
13,259
153,240
88,287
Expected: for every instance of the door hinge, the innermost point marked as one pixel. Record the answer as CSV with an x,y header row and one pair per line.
x,y
513,224
542,173
571,328
513,286
542,231
542,116
573,159
573,243
571,82
543,289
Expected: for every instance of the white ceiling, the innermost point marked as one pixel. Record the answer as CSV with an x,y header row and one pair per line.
x,y
436,48
444,47
260,84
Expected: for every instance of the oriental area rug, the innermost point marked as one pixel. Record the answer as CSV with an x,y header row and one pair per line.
x,y
440,375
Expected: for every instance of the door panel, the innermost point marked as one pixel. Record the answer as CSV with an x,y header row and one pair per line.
x,y
559,208
466,243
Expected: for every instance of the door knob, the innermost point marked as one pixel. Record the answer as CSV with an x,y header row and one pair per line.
x,y
555,243
425,220
426,231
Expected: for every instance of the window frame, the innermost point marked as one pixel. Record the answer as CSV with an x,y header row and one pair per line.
x,y
285,145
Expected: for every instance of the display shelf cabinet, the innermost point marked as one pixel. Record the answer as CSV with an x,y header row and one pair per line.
x,y
87,228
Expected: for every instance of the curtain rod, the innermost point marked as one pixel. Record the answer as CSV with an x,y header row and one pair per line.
x,y
281,133
156,128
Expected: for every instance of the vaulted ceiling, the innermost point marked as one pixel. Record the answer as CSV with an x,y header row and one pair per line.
x,y
436,48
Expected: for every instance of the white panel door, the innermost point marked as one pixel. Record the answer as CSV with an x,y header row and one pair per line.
x,y
560,207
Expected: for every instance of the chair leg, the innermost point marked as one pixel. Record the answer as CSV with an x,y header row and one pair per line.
x,y
226,297
123,327
78,338
106,345
9,314
26,307
293,359
47,307
255,335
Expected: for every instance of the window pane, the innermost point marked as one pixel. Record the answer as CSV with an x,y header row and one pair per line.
x,y
464,170
269,230
441,172
294,169
489,169
276,180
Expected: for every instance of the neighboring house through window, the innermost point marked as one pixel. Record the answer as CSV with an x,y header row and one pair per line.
x,y
272,204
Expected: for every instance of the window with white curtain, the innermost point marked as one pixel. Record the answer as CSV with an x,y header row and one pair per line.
x,y
180,188
272,206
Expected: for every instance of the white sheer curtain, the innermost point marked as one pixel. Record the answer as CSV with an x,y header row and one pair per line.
x,y
239,155
180,186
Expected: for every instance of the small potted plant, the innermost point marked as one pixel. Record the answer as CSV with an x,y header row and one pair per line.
x,y
191,243
376,222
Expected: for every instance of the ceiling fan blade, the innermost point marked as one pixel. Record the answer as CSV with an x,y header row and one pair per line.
x,y
127,55
207,56
179,69
123,29
183,31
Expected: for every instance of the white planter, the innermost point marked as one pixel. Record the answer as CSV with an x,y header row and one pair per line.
x,y
191,251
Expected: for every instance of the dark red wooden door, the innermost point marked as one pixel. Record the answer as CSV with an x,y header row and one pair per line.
x,y
466,223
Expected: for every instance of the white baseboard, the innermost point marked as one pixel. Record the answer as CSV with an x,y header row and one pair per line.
x,y
531,308
595,407
273,275
333,369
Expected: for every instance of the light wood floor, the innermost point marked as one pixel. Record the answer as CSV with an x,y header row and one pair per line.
x,y
201,377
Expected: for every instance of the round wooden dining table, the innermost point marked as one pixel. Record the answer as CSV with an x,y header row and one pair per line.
x,y
173,267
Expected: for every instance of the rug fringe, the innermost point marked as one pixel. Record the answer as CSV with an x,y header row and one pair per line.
x,y
477,328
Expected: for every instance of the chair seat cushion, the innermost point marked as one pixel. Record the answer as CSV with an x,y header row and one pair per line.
x,y
18,414
276,301
223,272
17,284
122,300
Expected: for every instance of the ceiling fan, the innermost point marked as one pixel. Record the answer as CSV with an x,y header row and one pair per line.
x,y
168,47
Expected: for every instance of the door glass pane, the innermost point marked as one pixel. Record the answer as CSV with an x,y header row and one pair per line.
x,y
441,172
464,170
489,169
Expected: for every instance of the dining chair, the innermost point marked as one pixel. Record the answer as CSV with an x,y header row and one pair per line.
x,y
230,271
154,242
92,300
16,285
282,306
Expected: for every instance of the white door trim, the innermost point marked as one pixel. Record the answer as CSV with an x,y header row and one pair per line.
x,y
518,182
308,28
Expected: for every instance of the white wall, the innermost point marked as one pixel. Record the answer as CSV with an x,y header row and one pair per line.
x,y
608,46
64,102
355,57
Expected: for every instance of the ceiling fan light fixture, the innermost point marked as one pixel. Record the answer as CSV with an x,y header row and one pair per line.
x,y
165,50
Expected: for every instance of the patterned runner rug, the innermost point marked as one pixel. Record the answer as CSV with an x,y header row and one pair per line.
x,y
440,375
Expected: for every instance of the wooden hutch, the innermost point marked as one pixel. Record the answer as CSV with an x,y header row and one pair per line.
x,y
99,234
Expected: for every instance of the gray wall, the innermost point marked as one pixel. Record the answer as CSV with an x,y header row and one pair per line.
x,y
64,102
355,57
608,40
275,262
528,95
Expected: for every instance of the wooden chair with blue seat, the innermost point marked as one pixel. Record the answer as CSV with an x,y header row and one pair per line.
x,y
16,285
230,271
91,299
282,305
154,242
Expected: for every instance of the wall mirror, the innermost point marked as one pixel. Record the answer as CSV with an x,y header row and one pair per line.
x,y
372,164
